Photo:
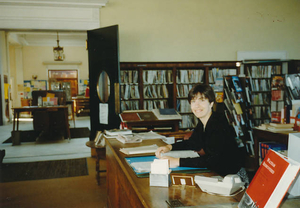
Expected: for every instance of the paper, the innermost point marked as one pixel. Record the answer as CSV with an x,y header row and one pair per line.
x,y
103,113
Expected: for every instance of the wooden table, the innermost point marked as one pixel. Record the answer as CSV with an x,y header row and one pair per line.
x,y
98,149
32,109
125,189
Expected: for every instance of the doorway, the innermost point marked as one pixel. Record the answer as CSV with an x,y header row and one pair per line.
x,y
64,80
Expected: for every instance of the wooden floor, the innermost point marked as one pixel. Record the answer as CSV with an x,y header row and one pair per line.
x,y
81,191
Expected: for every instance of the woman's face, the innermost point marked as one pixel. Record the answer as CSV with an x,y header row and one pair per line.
x,y
201,106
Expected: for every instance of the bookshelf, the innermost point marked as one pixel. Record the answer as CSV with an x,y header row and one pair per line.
x,y
151,85
262,94
262,75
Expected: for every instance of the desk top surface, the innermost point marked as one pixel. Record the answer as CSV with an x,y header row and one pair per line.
x,y
157,196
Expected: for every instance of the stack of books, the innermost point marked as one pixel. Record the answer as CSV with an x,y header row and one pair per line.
x,y
277,127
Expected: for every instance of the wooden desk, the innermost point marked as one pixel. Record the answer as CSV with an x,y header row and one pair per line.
x,y
260,135
33,109
125,189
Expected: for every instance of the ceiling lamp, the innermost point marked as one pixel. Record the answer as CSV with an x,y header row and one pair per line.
x,y
58,52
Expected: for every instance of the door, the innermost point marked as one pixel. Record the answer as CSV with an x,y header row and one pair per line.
x,y
104,70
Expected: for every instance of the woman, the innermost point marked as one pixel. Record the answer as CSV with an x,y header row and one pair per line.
x,y
213,138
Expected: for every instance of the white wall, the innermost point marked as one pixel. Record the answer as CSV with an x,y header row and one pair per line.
x,y
33,58
201,30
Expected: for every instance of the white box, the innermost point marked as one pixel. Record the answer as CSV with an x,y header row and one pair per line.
x,y
162,180
293,153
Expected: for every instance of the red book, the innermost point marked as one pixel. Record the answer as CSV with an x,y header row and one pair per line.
x,y
271,181
130,117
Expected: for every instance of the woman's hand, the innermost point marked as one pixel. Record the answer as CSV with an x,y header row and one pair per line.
x,y
174,162
163,149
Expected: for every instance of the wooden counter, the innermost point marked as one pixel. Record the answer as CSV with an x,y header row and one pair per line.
x,y
125,189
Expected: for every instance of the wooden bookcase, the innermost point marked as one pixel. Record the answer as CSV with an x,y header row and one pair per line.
x,y
149,85
260,74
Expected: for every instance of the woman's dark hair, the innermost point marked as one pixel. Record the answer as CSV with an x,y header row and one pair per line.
x,y
203,89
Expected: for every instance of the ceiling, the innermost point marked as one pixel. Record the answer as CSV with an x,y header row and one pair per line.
x,y
47,38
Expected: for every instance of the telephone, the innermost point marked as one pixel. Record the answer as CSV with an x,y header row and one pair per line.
x,y
226,186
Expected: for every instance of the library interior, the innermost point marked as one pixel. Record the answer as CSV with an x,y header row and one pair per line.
x,y
168,103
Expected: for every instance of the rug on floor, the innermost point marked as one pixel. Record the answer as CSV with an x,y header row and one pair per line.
x,y
30,136
11,172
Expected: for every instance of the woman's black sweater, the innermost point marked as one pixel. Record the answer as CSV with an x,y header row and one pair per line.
x,y
222,154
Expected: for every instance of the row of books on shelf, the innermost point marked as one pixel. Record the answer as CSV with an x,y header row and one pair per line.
x,y
189,76
157,76
156,91
220,73
263,71
155,104
277,105
129,76
129,105
261,112
264,148
260,99
188,121
260,84
130,92
216,73
183,90
183,106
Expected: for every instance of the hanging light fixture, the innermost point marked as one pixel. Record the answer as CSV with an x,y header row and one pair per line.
x,y
58,52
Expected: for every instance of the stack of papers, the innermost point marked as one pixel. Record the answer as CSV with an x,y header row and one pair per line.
x,y
140,150
116,132
125,139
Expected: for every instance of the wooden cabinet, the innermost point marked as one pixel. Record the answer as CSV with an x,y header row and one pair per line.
x,y
81,106
151,85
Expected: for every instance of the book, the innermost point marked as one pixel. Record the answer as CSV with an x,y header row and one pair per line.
x,y
134,116
139,150
271,181
116,132
166,114
147,116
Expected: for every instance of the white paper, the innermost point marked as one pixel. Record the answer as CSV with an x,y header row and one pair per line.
x,y
103,113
